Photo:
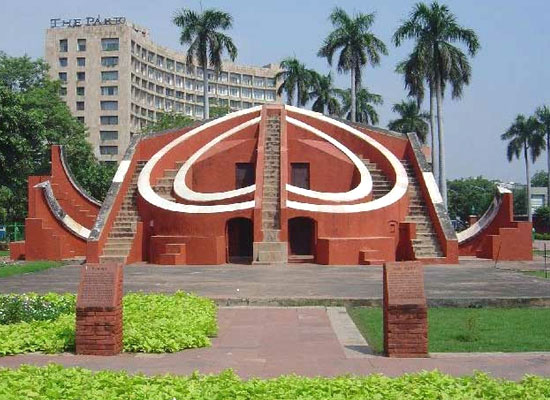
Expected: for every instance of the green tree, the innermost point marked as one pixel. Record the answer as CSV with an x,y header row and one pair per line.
x,y
411,119
543,215
201,31
436,30
32,118
543,116
358,47
470,196
324,95
219,111
296,80
366,113
169,120
539,179
524,137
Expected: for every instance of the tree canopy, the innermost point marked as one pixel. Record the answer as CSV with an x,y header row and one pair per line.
x,y
470,196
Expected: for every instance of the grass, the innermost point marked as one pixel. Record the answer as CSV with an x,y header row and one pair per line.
x,y
470,330
32,266
4,253
538,274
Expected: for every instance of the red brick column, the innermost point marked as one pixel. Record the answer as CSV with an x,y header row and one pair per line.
x,y
99,310
405,310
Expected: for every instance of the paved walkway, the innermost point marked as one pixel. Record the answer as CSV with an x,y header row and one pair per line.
x,y
264,284
268,342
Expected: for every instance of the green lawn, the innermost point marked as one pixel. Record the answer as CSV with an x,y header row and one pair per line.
x,y
538,274
32,266
4,253
470,330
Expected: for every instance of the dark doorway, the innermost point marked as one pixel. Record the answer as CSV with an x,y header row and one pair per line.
x,y
299,175
244,175
239,240
301,236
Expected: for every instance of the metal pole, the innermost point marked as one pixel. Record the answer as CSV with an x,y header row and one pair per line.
x,y
545,265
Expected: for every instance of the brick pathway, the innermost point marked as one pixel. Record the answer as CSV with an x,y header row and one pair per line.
x,y
268,342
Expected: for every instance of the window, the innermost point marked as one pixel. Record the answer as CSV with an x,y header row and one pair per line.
x,y
170,64
108,120
81,61
222,77
110,44
109,75
80,105
109,61
81,45
63,46
199,111
109,90
259,81
300,175
80,119
80,91
246,104
179,67
258,94
108,150
235,104
235,91
247,80
62,91
81,76
108,135
246,93
270,82
63,61
63,76
244,175
235,78
160,61
109,105
270,95
222,90
189,84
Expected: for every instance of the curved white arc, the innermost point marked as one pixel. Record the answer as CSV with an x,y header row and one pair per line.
x,y
360,191
181,188
149,195
396,193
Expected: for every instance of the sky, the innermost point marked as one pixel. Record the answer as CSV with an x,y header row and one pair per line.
x,y
511,72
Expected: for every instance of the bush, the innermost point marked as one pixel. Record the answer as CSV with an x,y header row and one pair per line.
x,y
56,382
542,236
152,323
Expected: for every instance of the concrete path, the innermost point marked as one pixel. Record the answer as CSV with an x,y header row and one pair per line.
x,y
263,285
268,342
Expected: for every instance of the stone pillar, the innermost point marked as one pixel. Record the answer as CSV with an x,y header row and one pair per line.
x,y
99,310
405,310
472,219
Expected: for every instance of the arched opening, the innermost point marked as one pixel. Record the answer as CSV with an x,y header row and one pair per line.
x,y
240,236
301,239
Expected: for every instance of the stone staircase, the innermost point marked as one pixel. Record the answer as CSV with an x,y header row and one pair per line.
x,y
271,250
426,244
380,183
165,185
121,236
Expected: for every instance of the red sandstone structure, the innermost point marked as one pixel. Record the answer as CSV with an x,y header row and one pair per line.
x,y
264,185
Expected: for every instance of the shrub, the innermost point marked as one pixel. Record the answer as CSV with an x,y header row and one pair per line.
x,y
56,382
153,323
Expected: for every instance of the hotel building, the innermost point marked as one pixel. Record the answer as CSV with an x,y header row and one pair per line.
x,y
116,80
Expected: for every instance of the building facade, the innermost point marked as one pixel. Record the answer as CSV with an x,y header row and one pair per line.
x,y
116,80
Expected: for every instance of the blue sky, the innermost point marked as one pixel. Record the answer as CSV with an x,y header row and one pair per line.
x,y
511,73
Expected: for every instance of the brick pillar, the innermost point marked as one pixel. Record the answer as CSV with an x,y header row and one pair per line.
x,y
99,310
405,310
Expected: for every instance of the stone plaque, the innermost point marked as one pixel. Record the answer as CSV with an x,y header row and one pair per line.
x,y
404,283
100,286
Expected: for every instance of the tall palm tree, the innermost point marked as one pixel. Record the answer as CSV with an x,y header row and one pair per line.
x,y
202,32
543,116
411,119
357,44
365,112
435,30
525,136
297,79
325,95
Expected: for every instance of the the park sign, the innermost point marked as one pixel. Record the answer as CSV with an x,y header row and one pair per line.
x,y
86,21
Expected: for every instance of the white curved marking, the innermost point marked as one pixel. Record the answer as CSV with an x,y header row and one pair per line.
x,y
396,193
433,190
485,219
181,188
144,180
121,171
365,184
76,227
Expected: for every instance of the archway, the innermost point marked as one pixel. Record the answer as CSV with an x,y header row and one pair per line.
x,y
301,239
240,236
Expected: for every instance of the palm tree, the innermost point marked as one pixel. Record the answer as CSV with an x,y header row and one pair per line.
x,y
525,136
206,43
543,116
435,30
365,112
325,95
358,47
411,119
296,79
